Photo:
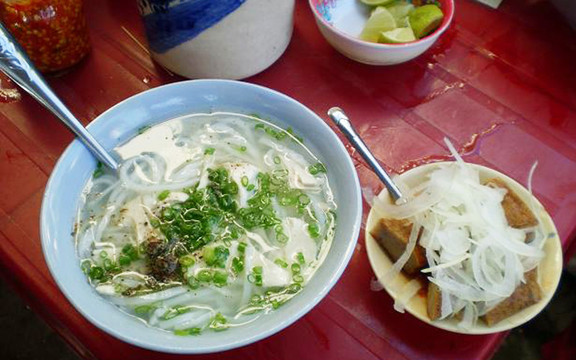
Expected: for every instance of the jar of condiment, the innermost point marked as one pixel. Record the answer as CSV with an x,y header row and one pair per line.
x,y
230,39
52,32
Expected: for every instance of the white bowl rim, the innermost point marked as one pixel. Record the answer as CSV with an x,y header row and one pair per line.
x,y
412,44
290,318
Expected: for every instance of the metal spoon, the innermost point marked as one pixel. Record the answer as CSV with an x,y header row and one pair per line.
x,y
341,120
15,63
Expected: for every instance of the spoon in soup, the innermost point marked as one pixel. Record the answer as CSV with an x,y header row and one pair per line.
x,y
17,66
341,120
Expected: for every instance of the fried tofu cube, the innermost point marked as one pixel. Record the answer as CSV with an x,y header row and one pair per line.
x,y
526,294
517,212
434,301
393,235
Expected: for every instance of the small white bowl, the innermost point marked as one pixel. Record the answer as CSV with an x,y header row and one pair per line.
x,y
341,22
120,123
549,270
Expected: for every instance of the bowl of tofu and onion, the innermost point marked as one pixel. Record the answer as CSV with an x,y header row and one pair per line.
x,y
471,252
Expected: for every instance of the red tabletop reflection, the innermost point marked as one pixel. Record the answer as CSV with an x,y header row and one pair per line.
x,y
501,84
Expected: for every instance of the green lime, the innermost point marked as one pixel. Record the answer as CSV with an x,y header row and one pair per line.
x,y
376,9
425,19
376,2
397,36
400,11
378,22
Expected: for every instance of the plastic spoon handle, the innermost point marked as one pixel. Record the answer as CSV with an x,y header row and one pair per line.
x,y
15,63
341,120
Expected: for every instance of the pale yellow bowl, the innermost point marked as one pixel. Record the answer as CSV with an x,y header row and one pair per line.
x,y
549,270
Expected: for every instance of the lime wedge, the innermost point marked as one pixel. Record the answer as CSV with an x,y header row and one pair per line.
x,y
400,11
425,19
376,10
397,36
376,2
378,22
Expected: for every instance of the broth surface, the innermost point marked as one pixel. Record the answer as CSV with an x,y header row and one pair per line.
x,y
212,221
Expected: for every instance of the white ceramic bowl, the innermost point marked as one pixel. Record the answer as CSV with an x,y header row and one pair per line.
x,y
549,270
120,123
341,21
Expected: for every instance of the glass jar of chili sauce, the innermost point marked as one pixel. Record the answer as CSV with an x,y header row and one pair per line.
x,y
52,32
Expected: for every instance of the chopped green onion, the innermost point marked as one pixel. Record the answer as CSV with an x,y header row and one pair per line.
x,y
243,148
168,214
237,265
300,258
287,200
209,151
317,168
187,260
244,181
295,268
303,199
163,195
96,273
216,256
281,263
282,238
85,266
294,288
298,278
204,276
130,251
220,278
191,331
255,300
218,322
169,314
193,283
182,309
258,280
290,131
256,276
124,260
99,170
242,247
103,254
250,187
144,309
313,230
227,241
108,264
277,160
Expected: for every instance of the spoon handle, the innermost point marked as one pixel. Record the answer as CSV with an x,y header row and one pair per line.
x,y
15,63
341,120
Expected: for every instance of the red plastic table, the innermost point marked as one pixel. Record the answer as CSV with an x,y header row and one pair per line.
x,y
506,78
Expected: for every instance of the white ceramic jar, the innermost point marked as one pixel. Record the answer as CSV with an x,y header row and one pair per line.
x,y
230,39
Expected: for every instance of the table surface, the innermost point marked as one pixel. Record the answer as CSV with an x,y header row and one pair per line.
x,y
506,77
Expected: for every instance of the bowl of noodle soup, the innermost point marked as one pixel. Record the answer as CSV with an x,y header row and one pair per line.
x,y
222,217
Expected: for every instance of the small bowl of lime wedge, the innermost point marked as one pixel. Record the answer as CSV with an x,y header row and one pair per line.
x,y
382,32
